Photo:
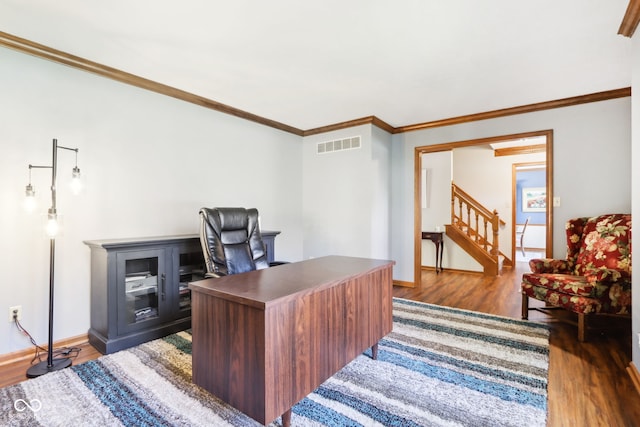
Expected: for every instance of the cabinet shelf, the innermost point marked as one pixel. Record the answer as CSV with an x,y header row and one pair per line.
x,y
145,313
153,289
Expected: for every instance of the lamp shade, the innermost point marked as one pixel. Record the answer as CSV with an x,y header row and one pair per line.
x,y
52,225
30,199
76,182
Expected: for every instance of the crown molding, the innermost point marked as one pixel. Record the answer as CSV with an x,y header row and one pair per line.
x,y
48,53
369,120
631,18
45,52
529,108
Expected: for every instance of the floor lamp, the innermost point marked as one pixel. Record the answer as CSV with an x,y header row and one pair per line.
x,y
52,228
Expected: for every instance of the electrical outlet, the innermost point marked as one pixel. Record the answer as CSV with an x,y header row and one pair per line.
x,y
17,309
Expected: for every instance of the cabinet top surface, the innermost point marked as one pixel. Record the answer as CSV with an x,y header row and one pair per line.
x,y
154,240
139,240
278,284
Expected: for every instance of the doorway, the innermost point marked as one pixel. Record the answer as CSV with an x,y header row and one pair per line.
x,y
529,203
419,191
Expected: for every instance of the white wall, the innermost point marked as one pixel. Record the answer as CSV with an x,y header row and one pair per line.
x,y
149,163
380,194
635,178
347,196
437,190
437,213
592,165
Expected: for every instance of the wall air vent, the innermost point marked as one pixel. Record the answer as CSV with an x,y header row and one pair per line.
x,y
339,145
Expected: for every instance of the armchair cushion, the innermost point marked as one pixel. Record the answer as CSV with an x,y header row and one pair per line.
x,y
567,283
606,245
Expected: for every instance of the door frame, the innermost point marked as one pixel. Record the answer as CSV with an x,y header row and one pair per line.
x,y
417,202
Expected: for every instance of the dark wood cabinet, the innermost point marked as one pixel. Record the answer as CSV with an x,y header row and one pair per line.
x,y
139,287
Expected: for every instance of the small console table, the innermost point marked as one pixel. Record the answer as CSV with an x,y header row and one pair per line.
x,y
437,237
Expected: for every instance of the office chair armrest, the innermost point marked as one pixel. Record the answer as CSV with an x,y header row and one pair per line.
x,y
277,263
212,275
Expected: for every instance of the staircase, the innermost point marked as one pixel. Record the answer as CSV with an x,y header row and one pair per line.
x,y
476,230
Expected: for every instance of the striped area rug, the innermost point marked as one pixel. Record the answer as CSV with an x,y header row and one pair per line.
x,y
439,367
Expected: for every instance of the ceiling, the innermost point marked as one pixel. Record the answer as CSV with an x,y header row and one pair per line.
x,y
309,64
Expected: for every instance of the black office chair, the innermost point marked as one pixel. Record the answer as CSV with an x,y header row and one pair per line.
x,y
231,241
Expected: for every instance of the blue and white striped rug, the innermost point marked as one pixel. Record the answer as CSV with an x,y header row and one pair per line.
x,y
439,367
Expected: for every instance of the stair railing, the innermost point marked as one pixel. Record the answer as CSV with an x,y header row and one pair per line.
x,y
479,223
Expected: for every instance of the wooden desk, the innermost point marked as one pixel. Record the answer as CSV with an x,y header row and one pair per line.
x,y
264,340
437,237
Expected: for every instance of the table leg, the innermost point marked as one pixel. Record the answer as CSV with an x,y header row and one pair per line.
x,y
437,255
374,351
286,418
441,252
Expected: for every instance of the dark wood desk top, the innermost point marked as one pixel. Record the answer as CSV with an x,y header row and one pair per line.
x,y
276,285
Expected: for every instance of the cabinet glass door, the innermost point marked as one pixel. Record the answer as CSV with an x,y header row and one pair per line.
x,y
190,269
142,280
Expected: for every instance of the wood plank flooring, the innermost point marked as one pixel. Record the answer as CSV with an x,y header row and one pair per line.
x,y
16,372
588,382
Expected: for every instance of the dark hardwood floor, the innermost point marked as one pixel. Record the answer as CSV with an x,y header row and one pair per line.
x,y
16,372
588,382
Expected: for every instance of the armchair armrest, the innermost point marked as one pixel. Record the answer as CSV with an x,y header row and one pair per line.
x,y
212,275
549,265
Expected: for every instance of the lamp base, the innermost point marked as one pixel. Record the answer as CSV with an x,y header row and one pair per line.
x,y
44,368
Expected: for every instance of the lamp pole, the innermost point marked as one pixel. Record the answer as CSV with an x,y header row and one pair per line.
x,y
60,363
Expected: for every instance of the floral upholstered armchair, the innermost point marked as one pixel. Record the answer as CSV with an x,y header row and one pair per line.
x,y
595,277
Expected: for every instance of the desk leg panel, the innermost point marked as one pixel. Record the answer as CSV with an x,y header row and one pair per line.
x,y
263,362
301,346
230,362
311,338
381,304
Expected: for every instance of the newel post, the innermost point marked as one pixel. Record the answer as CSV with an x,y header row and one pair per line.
x,y
495,222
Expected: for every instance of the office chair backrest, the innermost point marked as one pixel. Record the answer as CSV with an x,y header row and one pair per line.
x,y
231,240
